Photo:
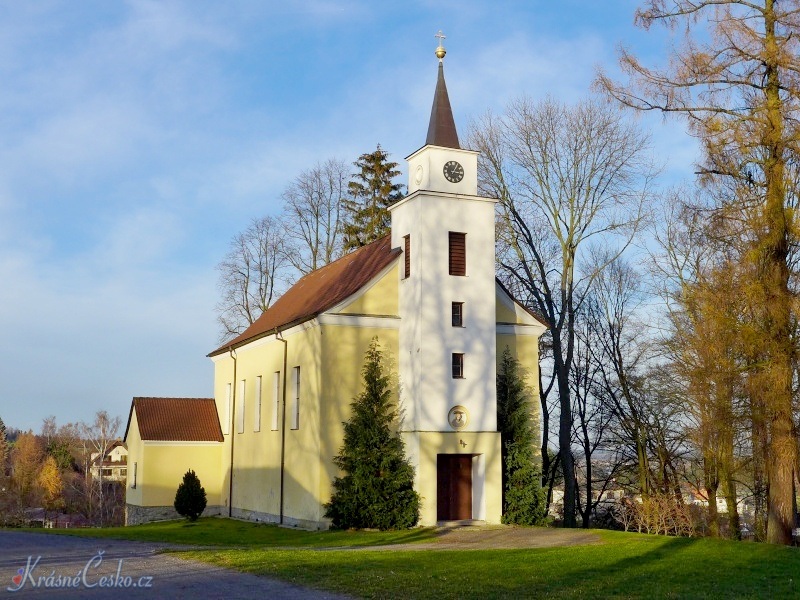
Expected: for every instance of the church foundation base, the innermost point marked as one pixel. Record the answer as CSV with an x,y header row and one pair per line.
x,y
262,517
137,515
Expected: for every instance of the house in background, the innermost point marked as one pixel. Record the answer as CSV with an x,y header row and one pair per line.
x,y
282,389
113,466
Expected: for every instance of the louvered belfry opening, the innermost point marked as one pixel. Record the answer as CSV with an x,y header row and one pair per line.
x,y
458,253
407,255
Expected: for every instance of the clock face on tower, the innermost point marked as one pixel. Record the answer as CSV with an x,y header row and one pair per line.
x,y
453,171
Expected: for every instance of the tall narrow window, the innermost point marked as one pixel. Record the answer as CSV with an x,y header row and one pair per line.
x,y
407,255
226,424
257,406
458,253
240,412
276,399
135,473
458,366
296,398
458,314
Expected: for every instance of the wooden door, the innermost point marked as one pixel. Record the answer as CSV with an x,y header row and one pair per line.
x,y
454,487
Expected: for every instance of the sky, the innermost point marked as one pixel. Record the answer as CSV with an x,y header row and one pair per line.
x,y
137,138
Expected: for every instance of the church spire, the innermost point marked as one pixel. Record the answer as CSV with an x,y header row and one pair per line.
x,y
442,126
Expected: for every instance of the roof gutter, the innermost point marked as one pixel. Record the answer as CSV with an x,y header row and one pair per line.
x,y
279,337
232,352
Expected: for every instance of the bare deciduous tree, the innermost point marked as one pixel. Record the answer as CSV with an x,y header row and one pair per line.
x,y
313,215
566,177
250,274
100,435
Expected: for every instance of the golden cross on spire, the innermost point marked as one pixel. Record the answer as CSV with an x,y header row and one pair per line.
x,y
440,51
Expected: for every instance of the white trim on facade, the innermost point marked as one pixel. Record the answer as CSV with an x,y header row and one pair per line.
x,y
511,329
387,322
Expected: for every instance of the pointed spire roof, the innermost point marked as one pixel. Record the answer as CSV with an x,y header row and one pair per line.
x,y
442,126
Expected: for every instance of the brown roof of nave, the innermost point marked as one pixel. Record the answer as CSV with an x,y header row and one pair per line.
x,y
176,419
319,291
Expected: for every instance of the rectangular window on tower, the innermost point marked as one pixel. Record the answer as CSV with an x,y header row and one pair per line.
x,y
458,314
457,258
406,256
458,366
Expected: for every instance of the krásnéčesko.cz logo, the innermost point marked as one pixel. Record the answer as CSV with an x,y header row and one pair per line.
x,y
87,577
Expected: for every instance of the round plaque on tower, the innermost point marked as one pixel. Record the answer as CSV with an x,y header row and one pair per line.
x,y
458,417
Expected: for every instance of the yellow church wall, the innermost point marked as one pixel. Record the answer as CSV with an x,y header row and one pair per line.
x,y
526,350
380,298
257,454
504,313
133,495
165,463
343,351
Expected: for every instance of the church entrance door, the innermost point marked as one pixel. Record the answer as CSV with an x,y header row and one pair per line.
x,y
453,487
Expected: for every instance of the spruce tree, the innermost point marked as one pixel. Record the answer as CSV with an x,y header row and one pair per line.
x,y
190,499
377,488
523,497
372,192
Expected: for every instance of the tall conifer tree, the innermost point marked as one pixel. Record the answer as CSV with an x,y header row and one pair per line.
x,y
372,191
377,489
523,497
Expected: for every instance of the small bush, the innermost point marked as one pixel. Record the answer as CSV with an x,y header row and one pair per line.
x,y
190,499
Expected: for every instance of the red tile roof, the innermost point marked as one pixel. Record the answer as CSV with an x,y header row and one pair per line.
x,y
319,291
176,419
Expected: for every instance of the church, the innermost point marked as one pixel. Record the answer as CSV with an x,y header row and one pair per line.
x,y
263,446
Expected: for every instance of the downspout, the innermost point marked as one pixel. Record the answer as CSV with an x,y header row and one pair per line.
x,y
232,352
279,337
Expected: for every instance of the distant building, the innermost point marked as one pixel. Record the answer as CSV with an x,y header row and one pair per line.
x,y
113,466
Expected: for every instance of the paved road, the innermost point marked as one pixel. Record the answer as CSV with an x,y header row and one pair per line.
x,y
120,570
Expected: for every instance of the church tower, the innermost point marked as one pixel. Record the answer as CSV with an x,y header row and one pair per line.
x,y
447,338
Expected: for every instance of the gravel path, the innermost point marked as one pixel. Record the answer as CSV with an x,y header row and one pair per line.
x,y
485,537
96,568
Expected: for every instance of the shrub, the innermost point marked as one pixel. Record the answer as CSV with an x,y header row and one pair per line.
x,y
190,499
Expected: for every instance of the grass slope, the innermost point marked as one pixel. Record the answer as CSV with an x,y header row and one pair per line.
x,y
228,532
624,566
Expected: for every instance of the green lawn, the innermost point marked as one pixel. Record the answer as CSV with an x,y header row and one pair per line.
x,y
228,532
623,566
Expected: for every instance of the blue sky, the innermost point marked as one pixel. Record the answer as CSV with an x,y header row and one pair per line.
x,y
136,138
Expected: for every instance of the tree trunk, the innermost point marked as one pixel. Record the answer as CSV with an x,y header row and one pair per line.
x,y
759,445
775,277
711,485
565,435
